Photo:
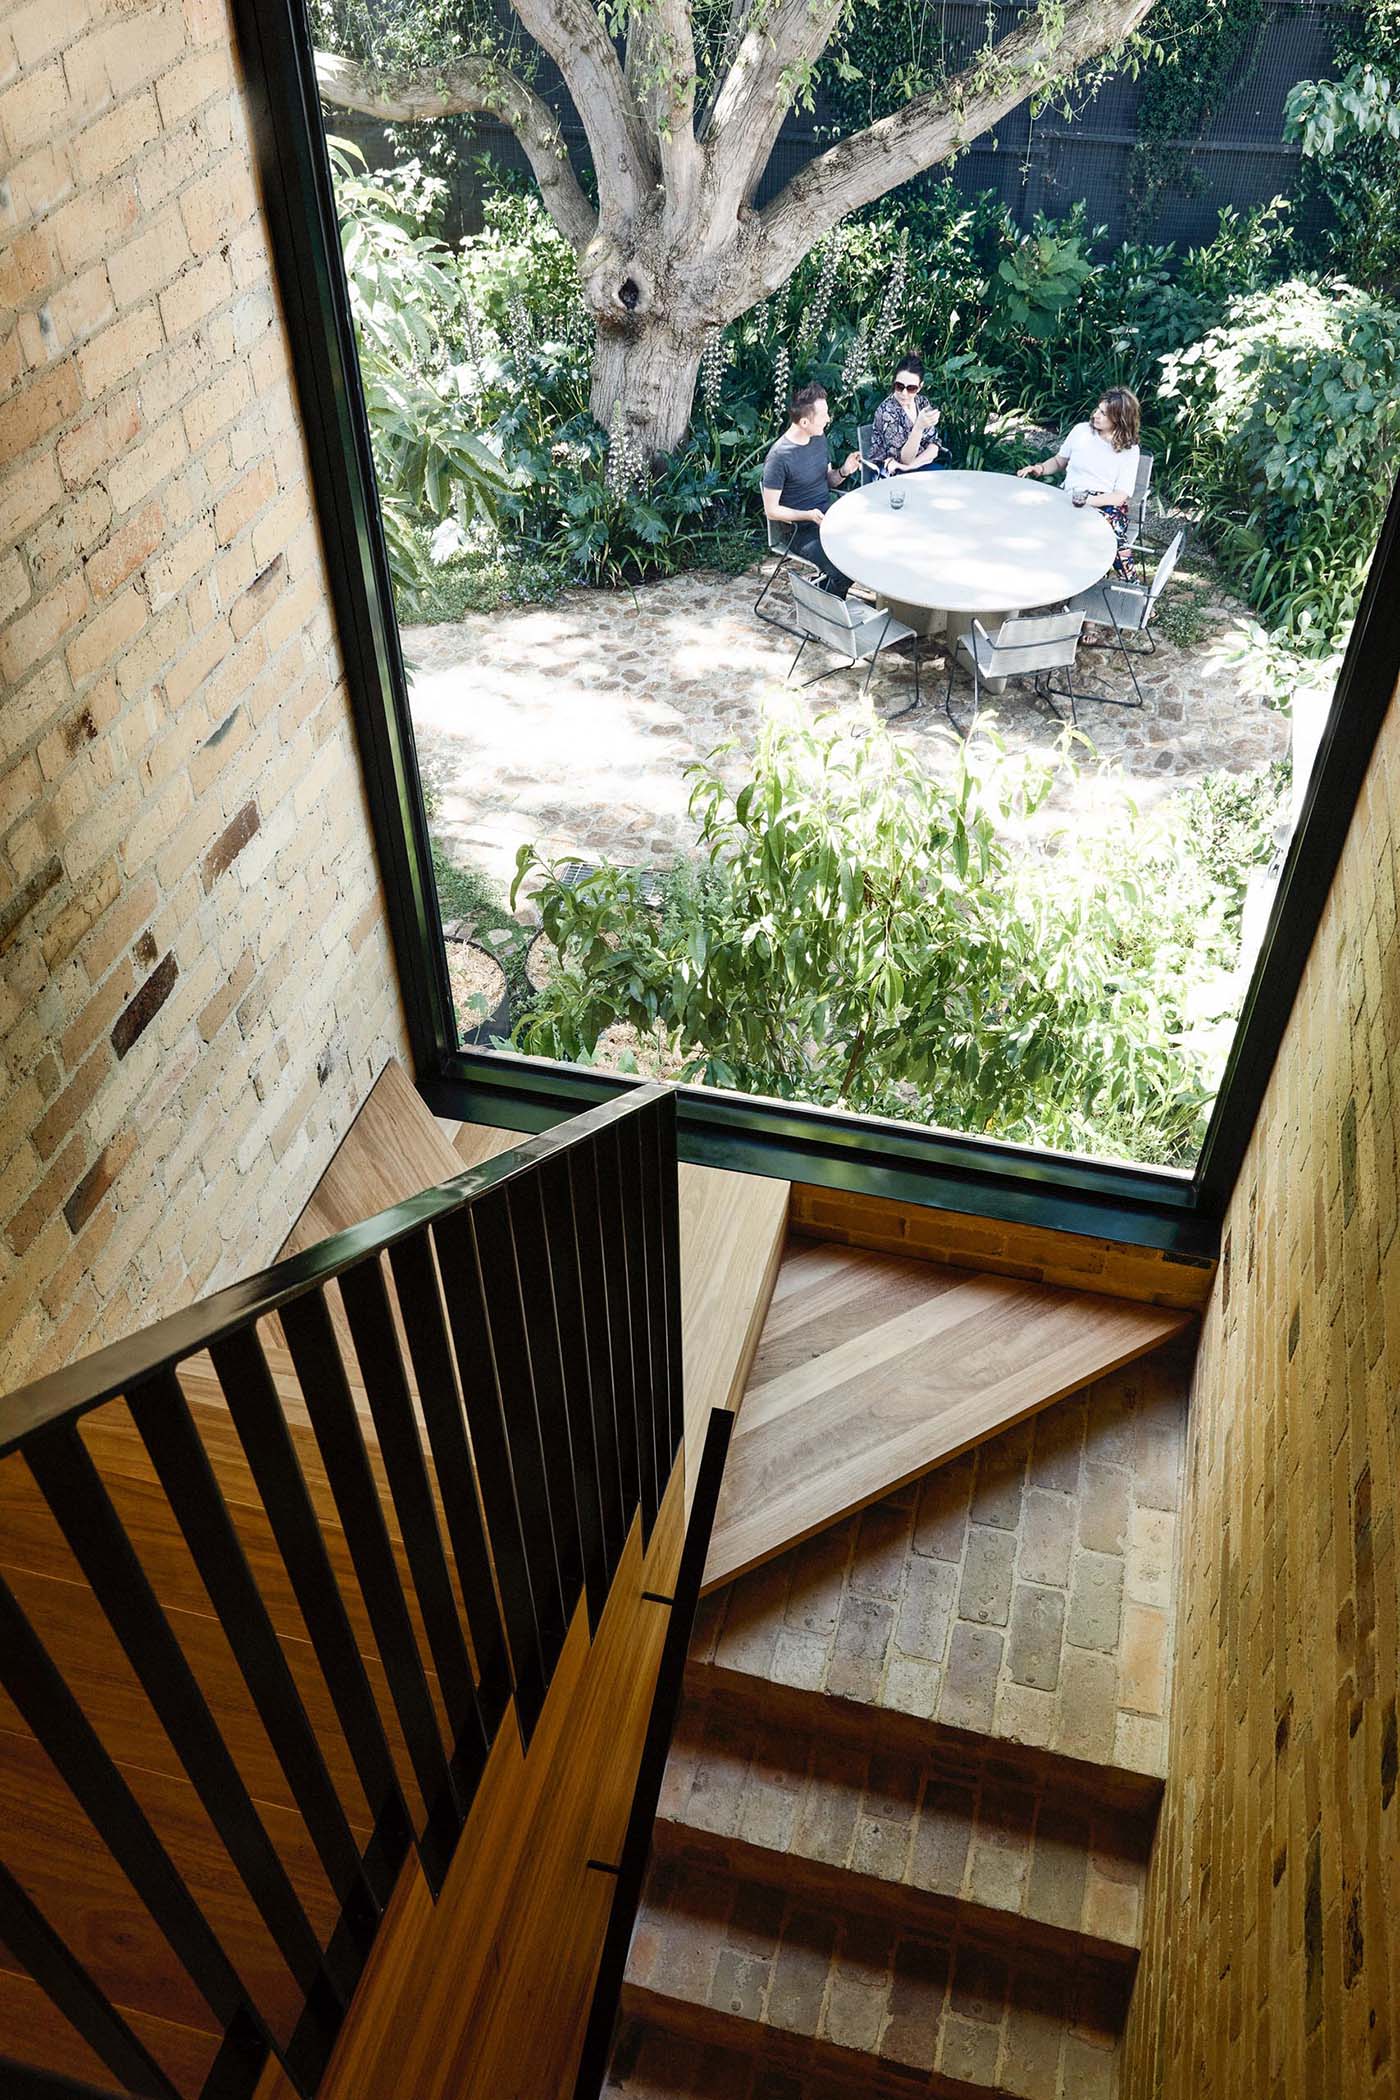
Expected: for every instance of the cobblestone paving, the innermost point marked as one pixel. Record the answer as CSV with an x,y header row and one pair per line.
x,y
571,725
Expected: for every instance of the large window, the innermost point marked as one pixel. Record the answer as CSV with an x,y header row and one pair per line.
x,y
1025,909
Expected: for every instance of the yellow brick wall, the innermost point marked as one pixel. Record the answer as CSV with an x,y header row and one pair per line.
x,y
1272,1962
196,987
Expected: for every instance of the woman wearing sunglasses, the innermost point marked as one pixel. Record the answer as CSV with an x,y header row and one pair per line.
x,y
901,438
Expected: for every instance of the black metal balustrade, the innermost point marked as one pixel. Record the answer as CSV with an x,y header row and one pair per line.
x,y
490,1373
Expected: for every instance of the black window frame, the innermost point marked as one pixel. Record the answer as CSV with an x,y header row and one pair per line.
x,y
1174,1211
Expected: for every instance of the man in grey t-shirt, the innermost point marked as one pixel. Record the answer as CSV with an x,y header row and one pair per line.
x,y
798,479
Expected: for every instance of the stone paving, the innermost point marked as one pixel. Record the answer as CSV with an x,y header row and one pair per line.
x,y
570,726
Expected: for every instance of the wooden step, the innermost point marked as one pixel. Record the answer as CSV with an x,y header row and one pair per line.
x,y
733,1233
806,1988
71,1876
873,1369
34,2032
925,1833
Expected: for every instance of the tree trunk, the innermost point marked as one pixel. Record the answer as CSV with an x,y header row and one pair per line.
x,y
644,381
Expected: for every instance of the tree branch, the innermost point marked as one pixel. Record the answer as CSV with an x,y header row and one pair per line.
x,y
775,51
660,71
473,85
928,130
624,152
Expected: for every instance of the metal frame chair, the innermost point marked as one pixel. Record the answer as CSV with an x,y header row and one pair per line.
x,y
1034,644
1137,508
780,543
1128,609
825,618
868,470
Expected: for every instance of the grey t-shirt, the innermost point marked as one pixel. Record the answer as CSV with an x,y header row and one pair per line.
x,y
798,473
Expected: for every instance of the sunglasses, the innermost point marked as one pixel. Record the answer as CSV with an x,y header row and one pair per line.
x,y
902,389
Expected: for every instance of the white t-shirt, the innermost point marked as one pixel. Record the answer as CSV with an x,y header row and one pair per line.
x,y
1094,465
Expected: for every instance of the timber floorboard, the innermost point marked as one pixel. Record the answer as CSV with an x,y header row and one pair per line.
x,y
872,1369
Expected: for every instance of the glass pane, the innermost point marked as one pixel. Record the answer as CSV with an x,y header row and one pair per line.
x,y
967,806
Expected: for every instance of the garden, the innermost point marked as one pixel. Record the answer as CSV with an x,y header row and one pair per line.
x,y
651,851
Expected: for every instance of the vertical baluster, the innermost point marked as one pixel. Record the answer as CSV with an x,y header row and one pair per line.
x,y
465,1293
162,1415
63,1730
669,1168
593,1307
256,1410
653,1237
82,1508
29,1936
560,1247
506,1320
614,1264
420,1302
366,1300
634,1243
331,1406
544,1356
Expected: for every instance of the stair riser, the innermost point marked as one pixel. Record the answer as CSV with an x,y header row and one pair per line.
x,y
1132,1797
1038,1946
845,2071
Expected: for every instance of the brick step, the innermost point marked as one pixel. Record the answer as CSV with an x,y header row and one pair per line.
x,y
878,2007
653,2063
1130,1799
905,1829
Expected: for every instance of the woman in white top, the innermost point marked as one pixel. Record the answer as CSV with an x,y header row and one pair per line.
x,y
1100,459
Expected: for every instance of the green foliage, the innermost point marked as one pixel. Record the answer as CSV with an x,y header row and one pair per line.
x,y
857,933
1351,146
404,297
1287,416
1044,274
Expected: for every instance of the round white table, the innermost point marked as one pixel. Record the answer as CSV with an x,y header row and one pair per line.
x,y
967,546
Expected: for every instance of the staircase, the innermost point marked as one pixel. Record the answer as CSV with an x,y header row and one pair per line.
x,y
905,1824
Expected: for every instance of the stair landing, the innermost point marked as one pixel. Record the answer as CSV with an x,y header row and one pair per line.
x,y
872,1369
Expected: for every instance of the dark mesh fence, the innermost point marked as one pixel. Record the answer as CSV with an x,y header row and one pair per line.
x,y
1173,191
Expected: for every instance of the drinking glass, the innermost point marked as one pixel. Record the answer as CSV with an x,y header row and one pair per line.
x,y
1079,498
896,495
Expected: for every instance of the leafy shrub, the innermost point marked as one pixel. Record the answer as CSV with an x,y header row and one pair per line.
x,y
857,933
404,297
1288,415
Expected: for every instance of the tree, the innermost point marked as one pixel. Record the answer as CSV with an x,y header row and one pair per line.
x,y
679,143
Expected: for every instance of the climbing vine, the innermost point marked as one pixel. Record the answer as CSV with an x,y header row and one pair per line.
x,y
1202,43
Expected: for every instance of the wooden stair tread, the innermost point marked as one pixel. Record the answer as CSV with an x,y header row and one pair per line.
x,y
849,1399
75,1882
394,1149
36,2033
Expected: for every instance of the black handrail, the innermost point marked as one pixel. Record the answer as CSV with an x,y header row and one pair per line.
x,y
493,1389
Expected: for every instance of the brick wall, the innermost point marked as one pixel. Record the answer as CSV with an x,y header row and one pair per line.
x,y
195,982
1272,1965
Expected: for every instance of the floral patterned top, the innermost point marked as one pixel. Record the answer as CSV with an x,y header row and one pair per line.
x,y
890,430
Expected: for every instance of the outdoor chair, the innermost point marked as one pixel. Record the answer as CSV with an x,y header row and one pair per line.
x,y
780,543
1137,509
854,630
1128,609
869,472
1025,645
